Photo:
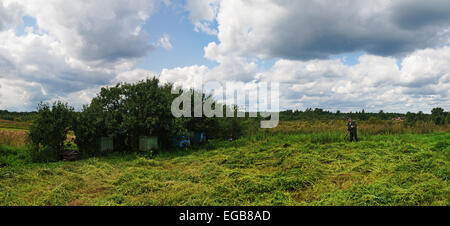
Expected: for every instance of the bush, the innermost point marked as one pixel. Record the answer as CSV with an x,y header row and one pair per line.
x,y
49,131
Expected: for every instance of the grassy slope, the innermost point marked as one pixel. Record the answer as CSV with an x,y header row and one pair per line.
x,y
289,169
13,125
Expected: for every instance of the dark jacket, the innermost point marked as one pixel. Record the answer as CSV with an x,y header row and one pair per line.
x,y
351,126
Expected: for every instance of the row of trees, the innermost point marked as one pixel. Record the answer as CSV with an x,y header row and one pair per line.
x,y
438,115
18,116
124,112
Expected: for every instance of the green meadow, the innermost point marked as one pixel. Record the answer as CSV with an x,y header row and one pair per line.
x,y
266,168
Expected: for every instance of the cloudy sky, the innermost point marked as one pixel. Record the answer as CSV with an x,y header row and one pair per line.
x,y
348,54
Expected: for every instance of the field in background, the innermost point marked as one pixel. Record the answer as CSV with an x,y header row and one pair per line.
x,y
299,163
14,125
13,133
368,127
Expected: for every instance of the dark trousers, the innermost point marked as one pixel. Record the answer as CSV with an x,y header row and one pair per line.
x,y
353,134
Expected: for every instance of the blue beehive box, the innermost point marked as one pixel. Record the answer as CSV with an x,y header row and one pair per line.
x,y
181,141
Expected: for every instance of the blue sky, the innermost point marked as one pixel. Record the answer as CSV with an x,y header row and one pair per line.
x,y
27,22
187,44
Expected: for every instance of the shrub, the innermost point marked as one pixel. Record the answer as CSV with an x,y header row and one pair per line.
x,y
49,131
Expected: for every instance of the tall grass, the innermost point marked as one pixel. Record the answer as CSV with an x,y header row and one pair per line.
x,y
14,138
370,127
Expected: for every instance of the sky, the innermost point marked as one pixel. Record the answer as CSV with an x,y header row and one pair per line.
x,y
343,55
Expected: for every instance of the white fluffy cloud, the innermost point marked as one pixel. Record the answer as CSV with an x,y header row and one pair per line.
x,y
202,14
165,42
305,29
10,13
17,93
420,81
74,48
374,83
185,76
94,31
133,76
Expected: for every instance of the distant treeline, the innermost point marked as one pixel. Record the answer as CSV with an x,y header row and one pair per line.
x,y
438,116
18,116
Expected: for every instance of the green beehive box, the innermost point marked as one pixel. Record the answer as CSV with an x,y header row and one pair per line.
x,y
148,143
106,144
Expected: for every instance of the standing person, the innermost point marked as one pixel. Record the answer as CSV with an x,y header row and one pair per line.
x,y
352,129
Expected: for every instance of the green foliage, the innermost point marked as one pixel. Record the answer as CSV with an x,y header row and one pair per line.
x,y
13,156
220,127
88,126
49,131
147,111
18,116
382,115
410,119
232,127
126,112
438,115
210,126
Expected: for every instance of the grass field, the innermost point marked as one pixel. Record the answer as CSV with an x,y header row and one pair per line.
x,y
13,125
264,169
13,133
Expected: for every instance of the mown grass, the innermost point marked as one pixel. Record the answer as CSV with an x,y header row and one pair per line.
x,y
263,169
